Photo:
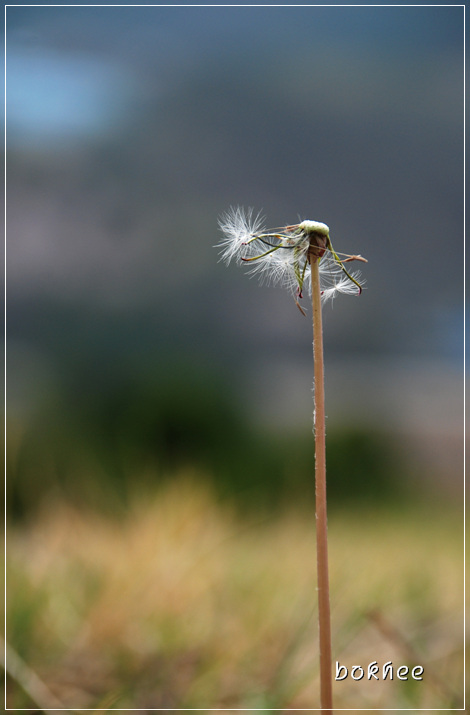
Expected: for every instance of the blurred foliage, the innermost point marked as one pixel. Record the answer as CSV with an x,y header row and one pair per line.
x,y
183,604
104,437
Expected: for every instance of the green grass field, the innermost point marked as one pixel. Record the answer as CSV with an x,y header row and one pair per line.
x,y
185,603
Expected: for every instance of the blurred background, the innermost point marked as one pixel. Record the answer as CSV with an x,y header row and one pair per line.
x,y
133,355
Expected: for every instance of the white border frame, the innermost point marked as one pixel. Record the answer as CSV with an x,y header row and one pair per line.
x,y
405,5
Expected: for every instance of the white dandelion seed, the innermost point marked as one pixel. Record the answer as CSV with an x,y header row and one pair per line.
x,y
333,280
238,228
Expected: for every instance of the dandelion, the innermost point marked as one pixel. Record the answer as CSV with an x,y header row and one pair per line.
x,y
301,256
283,255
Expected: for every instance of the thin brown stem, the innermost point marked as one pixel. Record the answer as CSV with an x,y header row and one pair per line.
x,y
326,688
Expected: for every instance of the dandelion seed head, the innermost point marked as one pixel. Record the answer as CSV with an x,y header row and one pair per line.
x,y
283,255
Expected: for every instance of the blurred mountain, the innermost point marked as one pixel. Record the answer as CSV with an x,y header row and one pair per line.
x,y
129,130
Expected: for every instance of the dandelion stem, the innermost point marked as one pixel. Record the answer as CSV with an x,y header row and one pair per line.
x,y
326,694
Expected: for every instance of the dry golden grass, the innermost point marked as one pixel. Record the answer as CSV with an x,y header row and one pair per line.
x,y
184,604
